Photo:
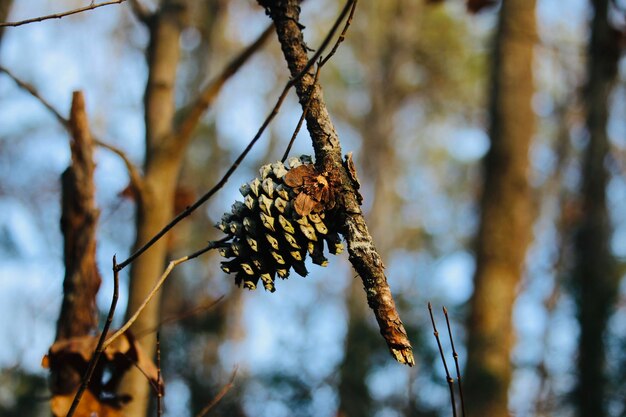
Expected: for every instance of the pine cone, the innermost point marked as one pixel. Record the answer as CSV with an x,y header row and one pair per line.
x,y
282,218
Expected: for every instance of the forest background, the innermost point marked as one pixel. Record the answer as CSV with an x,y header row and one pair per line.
x,y
411,92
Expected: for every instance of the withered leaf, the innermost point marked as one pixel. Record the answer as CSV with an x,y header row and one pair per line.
x,y
315,191
296,177
304,204
120,356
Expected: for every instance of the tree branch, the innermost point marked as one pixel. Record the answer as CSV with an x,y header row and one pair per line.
x,y
193,112
136,179
157,287
219,395
206,196
363,255
60,15
33,92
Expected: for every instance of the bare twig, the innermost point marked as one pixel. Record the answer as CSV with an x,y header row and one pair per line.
x,y
342,36
136,179
186,314
92,6
159,381
304,113
33,92
320,64
100,346
456,361
133,172
158,285
443,359
209,93
219,395
245,152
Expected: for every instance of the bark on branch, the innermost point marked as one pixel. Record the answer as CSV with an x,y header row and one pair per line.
x,y
363,255
79,218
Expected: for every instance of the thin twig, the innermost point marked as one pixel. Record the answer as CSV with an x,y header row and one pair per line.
x,y
136,179
186,314
245,152
349,6
304,113
456,360
158,285
155,385
443,359
133,172
320,64
100,346
159,382
210,92
219,395
92,6
342,36
33,92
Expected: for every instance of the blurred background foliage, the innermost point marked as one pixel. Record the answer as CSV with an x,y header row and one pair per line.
x,y
408,91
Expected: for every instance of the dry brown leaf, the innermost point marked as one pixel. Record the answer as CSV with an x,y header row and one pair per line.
x,y
304,204
84,346
117,359
315,191
296,177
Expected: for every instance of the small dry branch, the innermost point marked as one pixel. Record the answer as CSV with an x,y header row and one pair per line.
x,y
160,390
455,355
157,287
92,6
219,395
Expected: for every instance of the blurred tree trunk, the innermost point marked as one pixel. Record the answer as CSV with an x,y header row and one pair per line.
x,y
155,199
595,276
506,213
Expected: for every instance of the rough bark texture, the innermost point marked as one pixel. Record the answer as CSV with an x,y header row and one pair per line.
x,y
79,218
506,214
363,255
595,276
155,199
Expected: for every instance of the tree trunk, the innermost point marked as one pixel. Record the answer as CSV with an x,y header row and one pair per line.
x,y
156,198
79,218
595,276
506,213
